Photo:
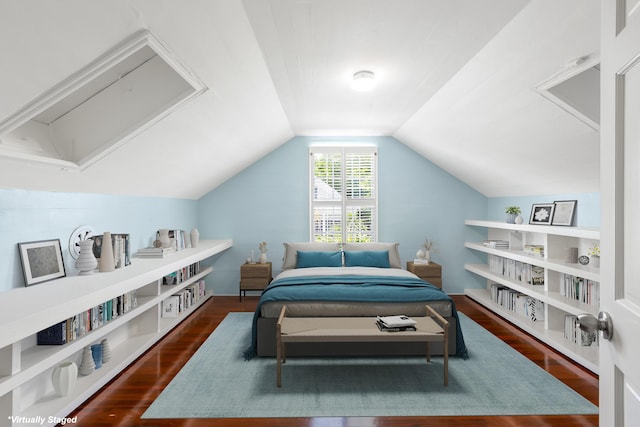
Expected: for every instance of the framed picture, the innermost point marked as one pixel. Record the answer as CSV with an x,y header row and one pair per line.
x,y
564,212
41,261
542,214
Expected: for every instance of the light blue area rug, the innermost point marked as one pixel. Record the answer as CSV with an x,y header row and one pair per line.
x,y
496,380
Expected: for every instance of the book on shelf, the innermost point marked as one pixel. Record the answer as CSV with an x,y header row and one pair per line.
x,y
516,270
152,252
420,261
574,334
177,238
82,323
498,244
517,302
53,335
120,243
580,289
183,300
534,250
179,276
170,306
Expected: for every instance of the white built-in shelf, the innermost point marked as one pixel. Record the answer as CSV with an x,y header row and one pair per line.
x,y
586,356
581,232
554,239
26,368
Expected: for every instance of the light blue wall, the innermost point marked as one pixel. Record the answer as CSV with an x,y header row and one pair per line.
x,y
587,213
269,202
32,215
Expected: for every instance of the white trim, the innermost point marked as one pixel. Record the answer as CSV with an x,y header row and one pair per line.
x,y
82,78
572,69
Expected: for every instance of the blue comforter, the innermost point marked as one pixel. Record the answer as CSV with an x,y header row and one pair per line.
x,y
353,288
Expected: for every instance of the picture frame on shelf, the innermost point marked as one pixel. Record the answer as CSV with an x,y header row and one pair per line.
x,y
541,213
41,261
564,212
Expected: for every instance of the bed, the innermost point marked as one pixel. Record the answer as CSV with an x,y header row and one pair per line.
x,y
359,279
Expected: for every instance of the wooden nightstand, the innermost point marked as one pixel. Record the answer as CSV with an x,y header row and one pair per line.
x,y
254,277
431,273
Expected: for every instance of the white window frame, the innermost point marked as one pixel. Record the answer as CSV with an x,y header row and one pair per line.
x,y
344,203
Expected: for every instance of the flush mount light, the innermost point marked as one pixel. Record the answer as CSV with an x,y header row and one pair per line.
x,y
363,81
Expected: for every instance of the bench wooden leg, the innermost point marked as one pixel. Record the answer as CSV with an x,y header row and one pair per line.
x,y
279,365
279,347
446,355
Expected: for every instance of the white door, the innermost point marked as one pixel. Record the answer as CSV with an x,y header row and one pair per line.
x,y
620,197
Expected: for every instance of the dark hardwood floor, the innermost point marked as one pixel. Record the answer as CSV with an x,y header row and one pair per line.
x,y
124,400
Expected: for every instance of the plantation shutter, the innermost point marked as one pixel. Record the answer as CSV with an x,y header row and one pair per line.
x,y
343,194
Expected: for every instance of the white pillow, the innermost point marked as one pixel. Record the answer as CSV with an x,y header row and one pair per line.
x,y
291,251
394,254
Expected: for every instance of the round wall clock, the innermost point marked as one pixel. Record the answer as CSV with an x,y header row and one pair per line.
x,y
81,233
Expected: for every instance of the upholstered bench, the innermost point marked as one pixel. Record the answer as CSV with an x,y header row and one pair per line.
x,y
431,328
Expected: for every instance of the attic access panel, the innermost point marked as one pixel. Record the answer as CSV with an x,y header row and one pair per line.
x,y
100,107
576,90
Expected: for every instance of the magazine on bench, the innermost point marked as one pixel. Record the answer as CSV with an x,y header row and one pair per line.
x,y
396,323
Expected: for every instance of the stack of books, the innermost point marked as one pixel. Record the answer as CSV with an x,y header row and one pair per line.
x,y
152,252
534,250
498,244
395,323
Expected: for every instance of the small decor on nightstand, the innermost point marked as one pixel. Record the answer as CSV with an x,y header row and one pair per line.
x,y
423,256
512,212
263,252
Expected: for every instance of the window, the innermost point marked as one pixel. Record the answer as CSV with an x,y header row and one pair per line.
x,y
343,194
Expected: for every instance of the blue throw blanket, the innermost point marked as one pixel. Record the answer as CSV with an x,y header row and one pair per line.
x,y
353,288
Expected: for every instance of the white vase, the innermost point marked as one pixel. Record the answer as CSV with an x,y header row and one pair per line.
x,y
263,258
163,236
64,378
595,261
106,351
195,238
87,366
420,254
427,256
519,220
107,262
86,262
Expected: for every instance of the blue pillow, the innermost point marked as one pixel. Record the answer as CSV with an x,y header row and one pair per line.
x,y
366,259
306,259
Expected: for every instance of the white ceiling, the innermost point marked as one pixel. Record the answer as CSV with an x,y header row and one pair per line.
x,y
455,83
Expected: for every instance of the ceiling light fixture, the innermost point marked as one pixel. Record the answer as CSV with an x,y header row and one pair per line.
x,y
363,81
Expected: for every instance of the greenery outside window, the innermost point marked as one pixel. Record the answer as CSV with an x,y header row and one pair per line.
x,y
343,193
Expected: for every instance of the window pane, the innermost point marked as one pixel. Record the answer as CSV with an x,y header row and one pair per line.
x,y
327,224
359,175
343,197
360,220
327,182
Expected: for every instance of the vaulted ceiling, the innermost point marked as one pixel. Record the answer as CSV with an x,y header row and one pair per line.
x,y
455,82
